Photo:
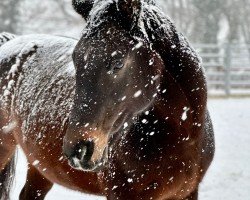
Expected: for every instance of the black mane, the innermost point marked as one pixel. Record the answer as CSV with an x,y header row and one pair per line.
x,y
153,27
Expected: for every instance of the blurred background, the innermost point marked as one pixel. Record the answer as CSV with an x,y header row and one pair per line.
x,y
220,31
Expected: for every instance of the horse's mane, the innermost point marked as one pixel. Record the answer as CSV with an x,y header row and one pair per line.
x,y
152,26
102,9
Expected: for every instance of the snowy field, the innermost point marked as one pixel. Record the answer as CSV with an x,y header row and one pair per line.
x,y
229,176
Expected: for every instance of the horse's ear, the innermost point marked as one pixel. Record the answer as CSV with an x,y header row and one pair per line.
x,y
130,8
83,7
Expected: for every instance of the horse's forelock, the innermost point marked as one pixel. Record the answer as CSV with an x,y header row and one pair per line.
x,y
128,7
150,24
130,10
83,7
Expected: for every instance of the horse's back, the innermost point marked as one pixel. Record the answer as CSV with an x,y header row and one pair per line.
x,y
47,46
46,50
37,90
37,74
41,54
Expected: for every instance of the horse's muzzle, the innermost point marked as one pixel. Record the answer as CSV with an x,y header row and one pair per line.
x,y
81,156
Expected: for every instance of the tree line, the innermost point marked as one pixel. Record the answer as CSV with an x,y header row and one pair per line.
x,y
202,21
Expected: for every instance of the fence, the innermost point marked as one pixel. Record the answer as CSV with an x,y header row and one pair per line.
x,y
227,68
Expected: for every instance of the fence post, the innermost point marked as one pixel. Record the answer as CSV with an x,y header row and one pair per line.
x,y
227,65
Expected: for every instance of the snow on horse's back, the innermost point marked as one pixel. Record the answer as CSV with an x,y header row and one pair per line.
x,y
24,62
37,79
23,44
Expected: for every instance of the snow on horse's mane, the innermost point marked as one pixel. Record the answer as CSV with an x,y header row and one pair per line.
x,y
151,24
148,12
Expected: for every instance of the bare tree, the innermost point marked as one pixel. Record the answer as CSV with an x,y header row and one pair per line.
x,y
9,15
208,14
50,17
245,20
231,9
67,11
198,19
182,12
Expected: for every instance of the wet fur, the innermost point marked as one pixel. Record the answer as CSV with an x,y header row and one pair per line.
x,y
159,162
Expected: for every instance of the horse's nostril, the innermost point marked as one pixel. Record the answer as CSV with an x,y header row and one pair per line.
x,y
84,150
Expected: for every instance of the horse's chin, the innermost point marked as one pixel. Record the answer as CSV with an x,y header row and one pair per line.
x,y
93,167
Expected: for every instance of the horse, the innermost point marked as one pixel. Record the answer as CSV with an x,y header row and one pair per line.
x,y
120,113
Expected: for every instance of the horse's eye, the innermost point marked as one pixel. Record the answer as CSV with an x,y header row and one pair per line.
x,y
117,64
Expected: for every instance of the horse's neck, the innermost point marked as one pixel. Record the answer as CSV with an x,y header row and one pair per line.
x,y
176,109
184,71
181,61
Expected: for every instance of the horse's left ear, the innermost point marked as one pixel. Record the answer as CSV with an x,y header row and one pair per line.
x,y
83,7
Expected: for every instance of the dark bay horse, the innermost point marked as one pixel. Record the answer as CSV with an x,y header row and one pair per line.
x,y
129,111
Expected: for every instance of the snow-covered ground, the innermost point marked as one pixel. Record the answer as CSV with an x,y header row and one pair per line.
x,y
229,175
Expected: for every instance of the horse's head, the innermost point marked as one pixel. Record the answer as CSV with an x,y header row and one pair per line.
x,y
117,78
